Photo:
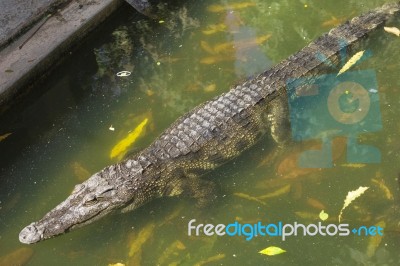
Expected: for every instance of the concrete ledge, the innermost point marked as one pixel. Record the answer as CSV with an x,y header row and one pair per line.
x,y
20,67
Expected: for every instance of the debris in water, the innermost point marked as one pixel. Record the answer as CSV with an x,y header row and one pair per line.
x,y
392,30
120,149
323,215
351,196
315,204
210,259
142,238
111,128
124,73
280,191
3,137
384,188
248,197
80,172
272,251
223,8
375,240
352,61
210,88
20,256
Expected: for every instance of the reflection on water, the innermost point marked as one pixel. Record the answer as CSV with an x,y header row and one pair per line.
x,y
194,52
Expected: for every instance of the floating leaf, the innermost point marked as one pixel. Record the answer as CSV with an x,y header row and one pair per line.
x,y
392,30
142,238
248,197
80,172
121,147
354,59
307,215
315,204
283,190
210,259
223,8
116,264
206,47
124,73
351,196
170,251
384,188
214,28
271,251
353,165
374,241
323,215
20,256
210,88
333,22
3,137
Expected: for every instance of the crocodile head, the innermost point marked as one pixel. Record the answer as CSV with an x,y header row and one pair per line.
x,y
89,201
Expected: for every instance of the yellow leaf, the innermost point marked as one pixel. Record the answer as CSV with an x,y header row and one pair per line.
x,y
384,188
351,196
210,88
392,30
80,172
122,147
223,8
248,197
353,165
210,259
374,241
206,47
323,215
116,264
271,251
283,190
306,215
3,137
142,238
211,29
354,59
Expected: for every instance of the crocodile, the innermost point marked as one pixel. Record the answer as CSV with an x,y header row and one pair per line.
x,y
206,137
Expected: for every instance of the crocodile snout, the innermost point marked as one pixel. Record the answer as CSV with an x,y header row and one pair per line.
x,y
30,234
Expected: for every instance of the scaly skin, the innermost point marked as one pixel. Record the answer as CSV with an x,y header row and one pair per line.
x,y
201,140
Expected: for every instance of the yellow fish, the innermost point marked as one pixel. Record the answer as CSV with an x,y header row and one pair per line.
x,y
236,6
121,147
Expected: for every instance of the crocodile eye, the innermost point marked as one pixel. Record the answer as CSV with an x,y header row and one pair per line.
x,y
90,201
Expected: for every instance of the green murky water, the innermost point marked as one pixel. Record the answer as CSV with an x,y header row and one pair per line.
x,y
177,63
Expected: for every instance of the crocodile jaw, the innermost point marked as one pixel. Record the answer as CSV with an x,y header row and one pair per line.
x,y
89,201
